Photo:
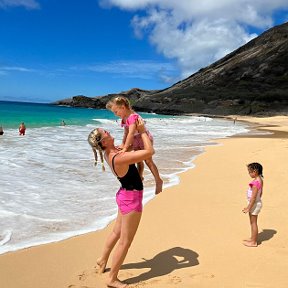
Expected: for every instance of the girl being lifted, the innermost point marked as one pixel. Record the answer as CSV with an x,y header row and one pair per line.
x,y
121,107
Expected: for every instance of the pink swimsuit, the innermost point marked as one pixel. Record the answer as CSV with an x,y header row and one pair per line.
x,y
255,210
258,185
137,140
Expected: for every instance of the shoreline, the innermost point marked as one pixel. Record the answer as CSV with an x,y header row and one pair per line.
x,y
171,171
208,242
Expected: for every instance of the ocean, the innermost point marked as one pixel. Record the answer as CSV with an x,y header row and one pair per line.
x,y
49,188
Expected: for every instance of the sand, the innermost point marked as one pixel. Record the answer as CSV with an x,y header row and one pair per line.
x,y
191,234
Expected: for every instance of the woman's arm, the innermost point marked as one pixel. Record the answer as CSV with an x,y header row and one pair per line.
x,y
139,155
129,136
126,130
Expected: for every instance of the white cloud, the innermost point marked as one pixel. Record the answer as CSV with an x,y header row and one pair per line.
x,y
196,33
5,69
29,4
134,69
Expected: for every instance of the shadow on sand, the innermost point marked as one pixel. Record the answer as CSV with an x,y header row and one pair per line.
x,y
266,235
163,263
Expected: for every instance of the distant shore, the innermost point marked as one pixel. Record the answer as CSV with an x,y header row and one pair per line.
x,y
191,234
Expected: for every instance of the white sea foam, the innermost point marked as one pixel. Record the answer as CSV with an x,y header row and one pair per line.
x,y
50,189
104,121
5,237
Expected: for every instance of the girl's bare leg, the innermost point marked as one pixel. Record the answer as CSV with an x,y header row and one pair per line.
x,y
153,168
129,227
254,231
140,167
110,243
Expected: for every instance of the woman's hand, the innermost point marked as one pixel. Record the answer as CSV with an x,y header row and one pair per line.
x,y
140,125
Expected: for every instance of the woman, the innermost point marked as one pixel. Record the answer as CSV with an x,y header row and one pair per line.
x,y
128,198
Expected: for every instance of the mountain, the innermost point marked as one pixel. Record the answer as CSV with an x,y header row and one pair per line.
x,y
252,80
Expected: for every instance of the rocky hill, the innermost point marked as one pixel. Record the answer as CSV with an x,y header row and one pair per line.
x,y
252,80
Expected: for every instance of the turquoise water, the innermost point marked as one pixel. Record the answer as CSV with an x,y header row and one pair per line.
x,y
45,115
36,115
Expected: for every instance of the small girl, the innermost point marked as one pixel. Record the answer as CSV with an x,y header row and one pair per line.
x,y
254,195
121,107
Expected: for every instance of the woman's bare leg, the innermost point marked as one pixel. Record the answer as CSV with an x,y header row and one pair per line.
x,y
129,227
110,243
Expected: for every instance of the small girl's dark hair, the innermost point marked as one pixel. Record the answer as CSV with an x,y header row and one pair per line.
x,y
256,166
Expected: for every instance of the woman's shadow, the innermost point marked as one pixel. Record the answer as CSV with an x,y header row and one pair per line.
x,y
163,263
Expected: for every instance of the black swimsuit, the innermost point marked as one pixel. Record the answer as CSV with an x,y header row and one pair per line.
x,y
132,179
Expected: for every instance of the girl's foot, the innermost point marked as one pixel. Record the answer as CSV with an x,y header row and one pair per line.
x,y
250,244
102,265
247,240
116,284
159,185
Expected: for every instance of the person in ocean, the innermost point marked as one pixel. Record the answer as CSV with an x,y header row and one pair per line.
x,y
121,107
254,199
129,196
1,130
22,129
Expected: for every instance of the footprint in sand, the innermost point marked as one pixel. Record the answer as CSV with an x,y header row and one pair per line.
x,y
176,280
74,286
90,278
145,283
88,273
82,276
203,275
253,285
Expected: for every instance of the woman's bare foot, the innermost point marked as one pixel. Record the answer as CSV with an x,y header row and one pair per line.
x,y
116,284
250,244
102,265
159,185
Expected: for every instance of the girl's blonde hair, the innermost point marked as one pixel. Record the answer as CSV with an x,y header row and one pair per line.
x,y
94,139
119,101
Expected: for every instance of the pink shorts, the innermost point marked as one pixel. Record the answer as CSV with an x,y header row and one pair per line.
x,y
129,200
138,142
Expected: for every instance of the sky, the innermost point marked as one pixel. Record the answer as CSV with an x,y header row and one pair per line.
x,y
56,49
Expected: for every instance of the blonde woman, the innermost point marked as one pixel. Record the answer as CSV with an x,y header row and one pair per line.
x,y
128,198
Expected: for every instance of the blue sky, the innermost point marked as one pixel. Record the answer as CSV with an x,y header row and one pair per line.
x,y
55,49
